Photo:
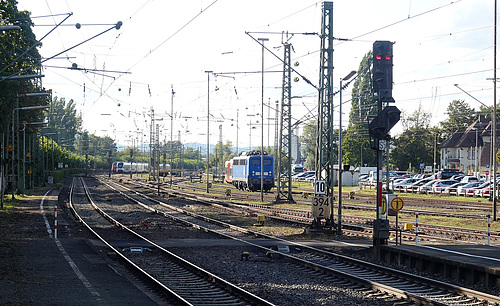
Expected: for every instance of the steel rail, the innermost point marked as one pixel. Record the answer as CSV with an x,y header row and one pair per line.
x,y
213,279
459,292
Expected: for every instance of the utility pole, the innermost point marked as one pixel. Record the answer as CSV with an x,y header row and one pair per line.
x,y
276,141
237,131
262,126
171,133
220,148
208,72
494,142
152,142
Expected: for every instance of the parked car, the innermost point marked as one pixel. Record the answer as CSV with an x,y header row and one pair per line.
x,y
427,187
471,191
457,177
446,174
413,187
306,175
363,177
461,190
486,192
479,190
452,190
441,185
400,185
421,176
398,181
310,178
302,175
469,179
403,174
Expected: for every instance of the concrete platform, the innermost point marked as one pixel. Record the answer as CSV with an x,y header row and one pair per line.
x,y
462,262
65,271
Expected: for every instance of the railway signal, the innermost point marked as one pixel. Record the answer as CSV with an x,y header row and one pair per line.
x,y
380,126
382,70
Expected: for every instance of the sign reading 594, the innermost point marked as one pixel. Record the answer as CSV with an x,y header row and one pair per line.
x,y
321,207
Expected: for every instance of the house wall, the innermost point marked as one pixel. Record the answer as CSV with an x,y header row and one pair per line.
x,y
464,159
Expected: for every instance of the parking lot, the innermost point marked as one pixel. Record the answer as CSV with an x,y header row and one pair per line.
x,y
453,183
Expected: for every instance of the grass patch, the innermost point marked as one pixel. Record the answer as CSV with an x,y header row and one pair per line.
x,y
469,223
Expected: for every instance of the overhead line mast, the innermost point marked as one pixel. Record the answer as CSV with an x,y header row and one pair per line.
x,y
324,142
284,186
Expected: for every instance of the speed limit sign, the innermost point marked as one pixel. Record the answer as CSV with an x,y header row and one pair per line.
x,y
319,187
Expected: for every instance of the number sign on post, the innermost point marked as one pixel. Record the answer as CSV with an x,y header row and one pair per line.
x,y
319,187
320,207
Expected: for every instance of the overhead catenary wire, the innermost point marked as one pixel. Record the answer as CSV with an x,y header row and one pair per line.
x,y
230,84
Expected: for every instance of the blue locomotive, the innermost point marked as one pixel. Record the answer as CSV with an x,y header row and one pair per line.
x,y
243,171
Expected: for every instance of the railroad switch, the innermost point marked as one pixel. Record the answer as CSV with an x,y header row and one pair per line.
x,y
245,255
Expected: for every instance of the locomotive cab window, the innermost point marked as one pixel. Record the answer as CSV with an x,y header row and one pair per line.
x,y
255,162
268,162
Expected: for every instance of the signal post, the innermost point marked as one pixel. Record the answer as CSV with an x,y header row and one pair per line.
x,y
379,128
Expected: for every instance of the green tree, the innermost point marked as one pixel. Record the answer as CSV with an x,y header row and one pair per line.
x,y
418,119
416,144
82,144
460,115
356,142
18,55
356,147
363,105
308,141
64,122
222,153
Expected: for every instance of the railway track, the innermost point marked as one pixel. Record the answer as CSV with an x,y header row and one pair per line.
x,y
430,207
378,280
362,202
354,225
170,276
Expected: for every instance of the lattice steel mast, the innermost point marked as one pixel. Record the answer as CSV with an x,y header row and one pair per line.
x,y
152,147
324,145
284,186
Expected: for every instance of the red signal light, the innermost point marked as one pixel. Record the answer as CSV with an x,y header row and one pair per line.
x,y
388,58
378,57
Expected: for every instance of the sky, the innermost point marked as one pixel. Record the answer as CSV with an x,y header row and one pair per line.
x,y
126,74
